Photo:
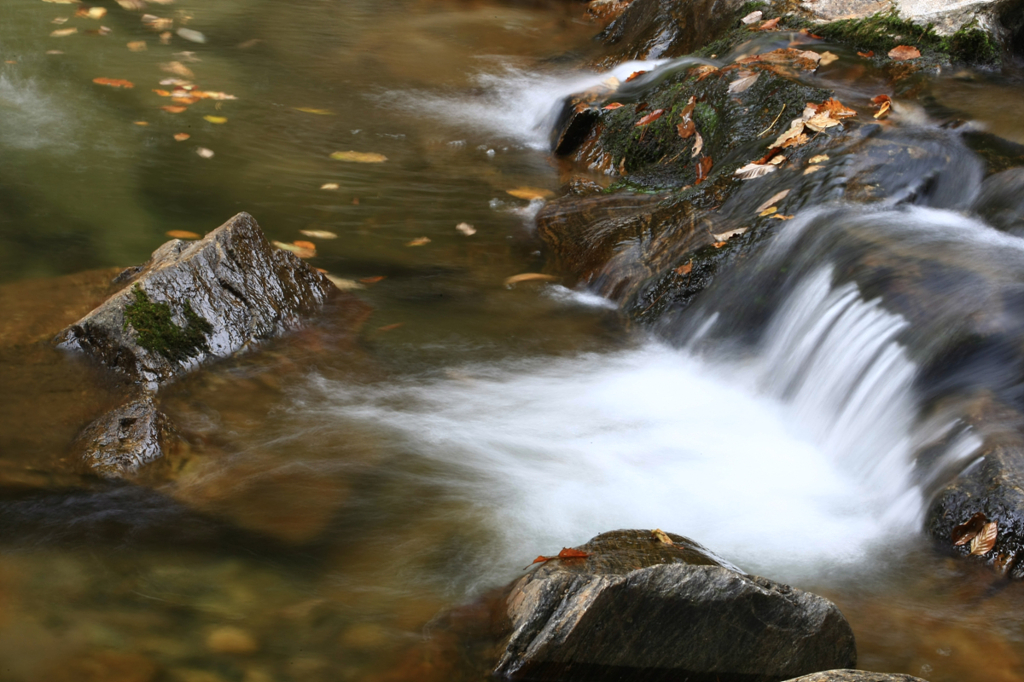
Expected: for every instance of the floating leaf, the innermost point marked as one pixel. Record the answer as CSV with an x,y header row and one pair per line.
x,y
114,82
530,193
344,284
92,12
726,236
529,277
466,229
173,108
182,234
329,185
754,170
218,120
827,58
137,45
300,249
419,241
869,53
62,32
775,198
181,137
818,159
373,280
359,157
318,234
968,530
141,123
753,17
985,540
904,52
660,535
191,35
650,118
318,112
305,245
204,152
178,69
612,106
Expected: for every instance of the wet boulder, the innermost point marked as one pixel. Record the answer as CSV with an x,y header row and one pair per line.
x,y
125,438
855,676
196,301
652,605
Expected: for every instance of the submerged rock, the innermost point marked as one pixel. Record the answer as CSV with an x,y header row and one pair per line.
x,y
637,605
126,438
195,301
855,676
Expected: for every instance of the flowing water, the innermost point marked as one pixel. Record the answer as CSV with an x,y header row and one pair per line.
x,y
341,489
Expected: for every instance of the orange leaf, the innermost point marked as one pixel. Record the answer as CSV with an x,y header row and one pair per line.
x,y
904,52
114,82
835,108
305,245
392,327
684,269
181,137
612,106
372,280
170,108
182,234
869,53
635,74
569,553
542,559
880,99
650,118
769,24
703,168
686,129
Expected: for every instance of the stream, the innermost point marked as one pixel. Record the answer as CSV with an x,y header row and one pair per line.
x,y
342,488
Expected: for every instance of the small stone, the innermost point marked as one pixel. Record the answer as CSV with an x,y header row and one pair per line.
x,y
231,640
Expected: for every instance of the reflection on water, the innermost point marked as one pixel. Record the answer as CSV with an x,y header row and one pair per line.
x,y
343,486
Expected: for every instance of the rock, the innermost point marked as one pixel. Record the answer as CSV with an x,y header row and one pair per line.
x,y
640,607
231,640
195,301
124,439
855,676
1001,201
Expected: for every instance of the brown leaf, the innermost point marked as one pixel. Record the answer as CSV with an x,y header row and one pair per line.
x,y
634,75
662,537
702,71
419,241
181,137
373,280
743,84
769,25
685,268
703,168
650,118
530,193
182,234
984,541
835,108
904,52
612,106
566,553
114,82
686,129
359,157
869,53
305,245
968,530
137,45
390,327
529,277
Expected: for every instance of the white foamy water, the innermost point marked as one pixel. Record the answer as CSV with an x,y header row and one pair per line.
x,y
781,463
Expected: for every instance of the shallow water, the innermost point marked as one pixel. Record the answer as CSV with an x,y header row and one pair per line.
x,y
341,489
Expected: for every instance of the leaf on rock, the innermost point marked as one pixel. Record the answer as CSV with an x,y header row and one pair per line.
x,y
662,537
811,169
530,193
698,145
613,106
754,170
634,75
752,18
820,122
114,82
904,52
968,530
318,234
775,198
685,268
529,277
742,84
650,118
359,157
182,234
818,159
419,241
566,553
769,25
835,108
702,71
686,129
726,236
703,169
779,216
767,212
984,541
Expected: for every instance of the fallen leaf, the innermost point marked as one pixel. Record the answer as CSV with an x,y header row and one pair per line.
x,y
985,540
810,54
132,4
777,160
818,159
703,168
372,280
359,157
178,69
173,109
686,129
650,118
566,553
904,52
883,111
811,169
684,269
318,234
718,245
698,145
767,212
114,82
329,185
390,327
968,530
827,58
204,152
795,130
59,20
662,537
137,45
775,198
753,17
305,245
769,25
61,32
753,170
530,193
702,71
182,234
92,12
212,94
529,277
835,108
634,75
181,137
419,241
779,216
215,119
466,229
318,112
165,38
54,52
345,284
820,122
869,53
141,123
795,141
742,84
726,236
156,23
612,106
191,35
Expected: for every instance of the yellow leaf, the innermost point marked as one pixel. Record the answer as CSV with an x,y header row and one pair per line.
x,y
662,537
319,234
96,12
530,193
182,234
61,32
812,169
779,216
359,157
775,198
767,212
329,185
345,284
419,241
216,119
318,112
142,123
529,277
137,45
818,159
827,58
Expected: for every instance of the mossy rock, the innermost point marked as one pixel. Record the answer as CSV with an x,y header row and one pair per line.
x,y
157,332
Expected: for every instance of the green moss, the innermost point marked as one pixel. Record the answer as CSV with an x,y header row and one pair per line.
x,y
971,44
156,331
705,116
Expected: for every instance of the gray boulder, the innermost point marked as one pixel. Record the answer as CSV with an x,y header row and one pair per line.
x,y
855,676
195,301
125,438
640,606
